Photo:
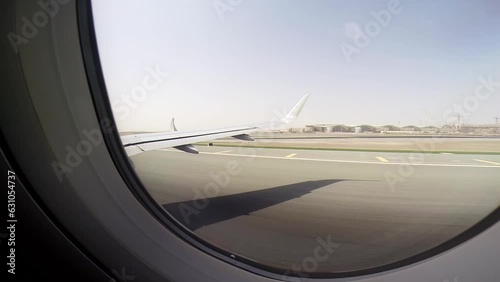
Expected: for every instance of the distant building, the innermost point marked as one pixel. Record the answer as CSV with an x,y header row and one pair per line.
x,y
315,128
342,128
447,129
329,128
409,129
297,130
429,129
366,129
389,128
479,129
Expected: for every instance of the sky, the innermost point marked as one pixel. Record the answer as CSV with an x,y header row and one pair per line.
x,y
216,63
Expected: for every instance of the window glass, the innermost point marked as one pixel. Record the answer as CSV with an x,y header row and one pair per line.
x,y
395,152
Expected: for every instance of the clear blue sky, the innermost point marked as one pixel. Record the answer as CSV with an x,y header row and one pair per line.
x,y
263,55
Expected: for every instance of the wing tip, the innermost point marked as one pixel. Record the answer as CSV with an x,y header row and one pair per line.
x,y
295,112
172,125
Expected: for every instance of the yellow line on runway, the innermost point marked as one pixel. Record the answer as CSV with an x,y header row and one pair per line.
x,y
382,159
488,162
290,156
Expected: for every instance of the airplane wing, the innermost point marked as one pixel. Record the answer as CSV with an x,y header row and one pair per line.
x,y
138,143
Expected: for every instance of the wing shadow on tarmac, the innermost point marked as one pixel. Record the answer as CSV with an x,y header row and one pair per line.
x,y
213,210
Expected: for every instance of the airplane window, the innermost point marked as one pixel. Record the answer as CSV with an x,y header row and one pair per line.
x,y
308,138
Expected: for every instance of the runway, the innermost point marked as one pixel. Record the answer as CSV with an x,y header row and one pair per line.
x,y
279,206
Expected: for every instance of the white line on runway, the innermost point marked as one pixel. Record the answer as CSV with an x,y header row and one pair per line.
x,y
341,161
382,159
488,162
290,156
222,152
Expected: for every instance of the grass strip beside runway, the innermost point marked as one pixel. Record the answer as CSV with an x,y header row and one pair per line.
x,y
350,149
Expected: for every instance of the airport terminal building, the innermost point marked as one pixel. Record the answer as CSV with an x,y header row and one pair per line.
x,y
393,129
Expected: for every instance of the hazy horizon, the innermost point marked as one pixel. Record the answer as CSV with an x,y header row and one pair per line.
x,y
257,58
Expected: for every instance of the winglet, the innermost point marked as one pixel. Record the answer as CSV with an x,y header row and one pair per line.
x,y
172,125
294,113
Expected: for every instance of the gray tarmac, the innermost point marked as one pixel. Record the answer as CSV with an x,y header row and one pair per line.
x,y
322,211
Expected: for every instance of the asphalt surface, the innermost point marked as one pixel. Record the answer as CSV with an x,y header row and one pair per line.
x,y
281,207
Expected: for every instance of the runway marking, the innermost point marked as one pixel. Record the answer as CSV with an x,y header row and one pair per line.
x,y
290,156
222,152
342,161
415,158
382,159
488,162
